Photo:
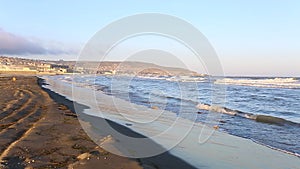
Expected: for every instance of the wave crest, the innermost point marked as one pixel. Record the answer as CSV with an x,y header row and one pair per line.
x,y
259,118
269,82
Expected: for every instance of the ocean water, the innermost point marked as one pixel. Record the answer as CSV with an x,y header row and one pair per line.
x,y
265,110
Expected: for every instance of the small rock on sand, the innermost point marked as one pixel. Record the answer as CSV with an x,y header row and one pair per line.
x,y
62,107
29,167
216,127
83,156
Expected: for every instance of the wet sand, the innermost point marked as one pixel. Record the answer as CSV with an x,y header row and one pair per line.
x,y
39,129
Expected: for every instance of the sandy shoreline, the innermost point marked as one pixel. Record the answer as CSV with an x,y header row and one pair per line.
x,y
39,129
162,161
220,151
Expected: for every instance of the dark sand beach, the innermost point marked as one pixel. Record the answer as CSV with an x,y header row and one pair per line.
x,y
39,129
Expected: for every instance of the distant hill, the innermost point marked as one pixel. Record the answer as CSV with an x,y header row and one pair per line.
x,y
106,67
130,67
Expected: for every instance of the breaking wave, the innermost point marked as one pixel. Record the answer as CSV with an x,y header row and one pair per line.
x,y
266,82
259,118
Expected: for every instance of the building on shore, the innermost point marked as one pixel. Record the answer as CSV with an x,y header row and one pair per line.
x,y
43,67
59,68
12,69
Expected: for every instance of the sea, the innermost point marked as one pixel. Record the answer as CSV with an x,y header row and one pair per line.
x,y
265,110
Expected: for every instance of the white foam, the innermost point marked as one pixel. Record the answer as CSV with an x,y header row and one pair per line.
x,y
269,82
186,79
217,109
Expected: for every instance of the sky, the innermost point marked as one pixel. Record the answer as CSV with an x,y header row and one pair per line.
x,y
251,38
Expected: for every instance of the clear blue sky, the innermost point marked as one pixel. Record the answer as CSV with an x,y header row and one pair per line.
x,y
250,37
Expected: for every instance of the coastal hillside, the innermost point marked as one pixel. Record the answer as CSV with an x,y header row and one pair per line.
x,y
140,68
32,66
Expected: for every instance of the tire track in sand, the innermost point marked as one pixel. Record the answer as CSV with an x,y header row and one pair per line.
x,y
20,123
15,109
